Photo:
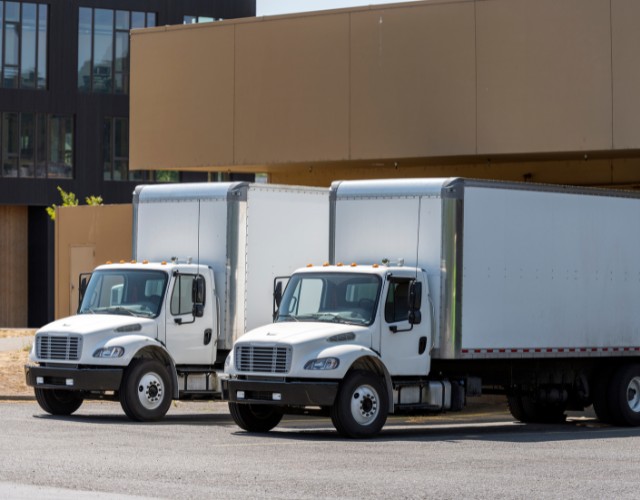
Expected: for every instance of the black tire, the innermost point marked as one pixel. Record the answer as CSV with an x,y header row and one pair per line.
x,y
361,407
58,402
145,391
525,409
255,418
600,395
624,396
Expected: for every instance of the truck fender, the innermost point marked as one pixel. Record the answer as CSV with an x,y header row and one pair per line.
x,y
140,346
354,357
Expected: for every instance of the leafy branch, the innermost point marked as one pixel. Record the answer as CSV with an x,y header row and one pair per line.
x,y
70,200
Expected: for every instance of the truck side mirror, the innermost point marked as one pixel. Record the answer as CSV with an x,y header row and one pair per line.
x,y
198,296
82,287
415,300
277,293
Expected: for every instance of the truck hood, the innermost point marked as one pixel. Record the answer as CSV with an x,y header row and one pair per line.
x,y
303,332
86,324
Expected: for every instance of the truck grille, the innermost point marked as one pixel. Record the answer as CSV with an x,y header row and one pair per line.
x,y
61,348
251,358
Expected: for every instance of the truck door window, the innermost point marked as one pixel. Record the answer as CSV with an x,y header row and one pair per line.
x,y
397,304
181,295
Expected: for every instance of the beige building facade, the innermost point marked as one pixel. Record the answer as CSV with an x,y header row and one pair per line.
x,y
533,90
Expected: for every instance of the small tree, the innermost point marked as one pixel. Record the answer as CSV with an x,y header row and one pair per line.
x,y
70,200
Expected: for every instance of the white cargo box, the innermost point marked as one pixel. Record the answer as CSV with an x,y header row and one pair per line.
x,y
247,233
515,270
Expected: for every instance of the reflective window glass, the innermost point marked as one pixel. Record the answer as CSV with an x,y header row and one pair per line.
x,y
27,144
84,49
102,76
10,144
60,146
42,47
29,47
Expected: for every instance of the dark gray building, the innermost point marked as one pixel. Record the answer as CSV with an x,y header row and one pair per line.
x,y
64,121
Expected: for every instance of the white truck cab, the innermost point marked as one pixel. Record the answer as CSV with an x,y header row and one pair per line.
x,y
353,326
159,317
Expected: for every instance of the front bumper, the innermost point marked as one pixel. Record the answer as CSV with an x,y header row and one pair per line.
x,y
295,393
73,379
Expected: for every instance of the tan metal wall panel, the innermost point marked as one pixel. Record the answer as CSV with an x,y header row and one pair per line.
x,y
626,73
105,228
13,254
292,90
413,82
182,81
544,75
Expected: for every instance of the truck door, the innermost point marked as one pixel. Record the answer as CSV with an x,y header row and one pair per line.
x,y
404,347
190,339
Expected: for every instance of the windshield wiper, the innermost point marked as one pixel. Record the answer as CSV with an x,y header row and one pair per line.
x,y
119,310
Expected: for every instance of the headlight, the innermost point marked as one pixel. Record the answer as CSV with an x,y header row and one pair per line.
x,y
109,352
322,364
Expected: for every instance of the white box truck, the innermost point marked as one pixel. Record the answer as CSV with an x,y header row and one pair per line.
x,y
443,288
159,328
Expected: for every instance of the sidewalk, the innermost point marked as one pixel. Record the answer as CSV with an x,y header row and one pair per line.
x,y
14,343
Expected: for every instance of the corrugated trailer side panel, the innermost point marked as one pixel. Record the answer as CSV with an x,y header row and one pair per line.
x,y
548,273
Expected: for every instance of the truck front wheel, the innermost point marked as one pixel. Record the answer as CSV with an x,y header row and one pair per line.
x,y
145,392
58,402
255,418
624,396
361,407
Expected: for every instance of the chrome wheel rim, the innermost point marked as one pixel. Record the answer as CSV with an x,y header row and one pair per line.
x,y
365,405
633,394
150,391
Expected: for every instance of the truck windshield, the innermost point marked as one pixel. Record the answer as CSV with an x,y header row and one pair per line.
x,y
127,292
332,297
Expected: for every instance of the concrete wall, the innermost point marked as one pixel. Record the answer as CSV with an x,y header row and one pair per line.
x,y
14,253
393,90
85,237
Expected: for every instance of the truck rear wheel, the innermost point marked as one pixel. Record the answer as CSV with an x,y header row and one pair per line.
x,y
58,402
255,418
361,407
525,409
145,392
624,396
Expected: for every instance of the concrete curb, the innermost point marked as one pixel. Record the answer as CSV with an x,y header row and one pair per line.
x,y
17,397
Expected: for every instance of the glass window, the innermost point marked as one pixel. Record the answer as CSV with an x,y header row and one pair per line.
x,y
397,303
10,144
103,48
199,19
115,147
181,296
41,146
29,46
106,149
42,48
23,45
84,48
27,144
60,147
